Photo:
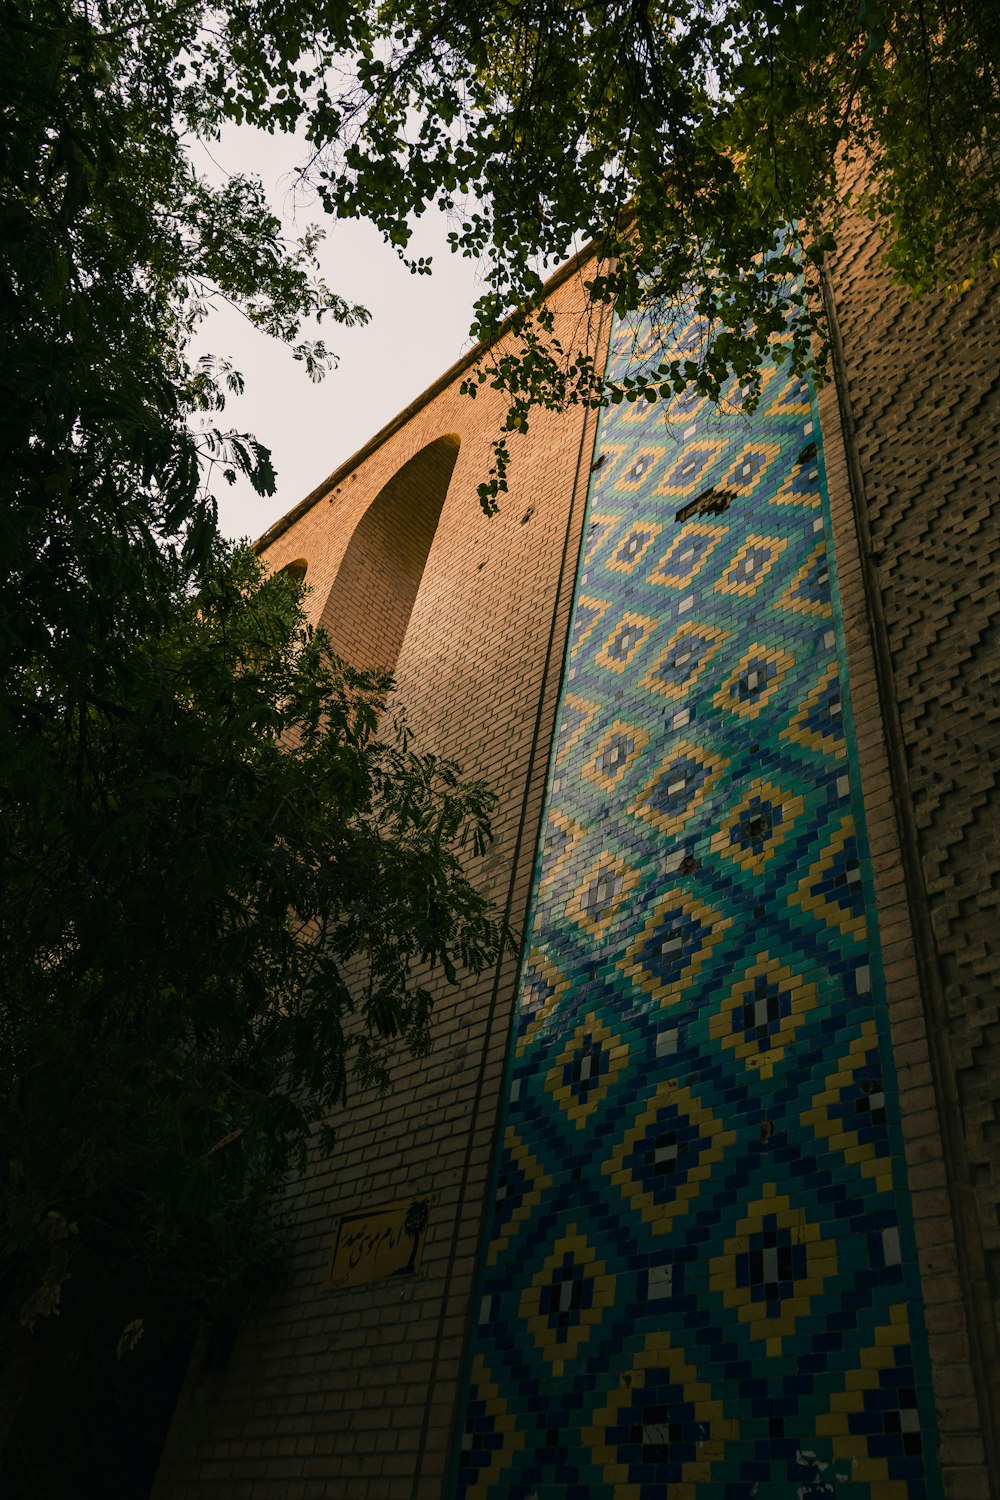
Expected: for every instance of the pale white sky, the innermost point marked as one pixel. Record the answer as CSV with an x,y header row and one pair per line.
x,y
419,326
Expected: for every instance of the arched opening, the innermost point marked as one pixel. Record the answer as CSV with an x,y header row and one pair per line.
x,y
369,606
296,569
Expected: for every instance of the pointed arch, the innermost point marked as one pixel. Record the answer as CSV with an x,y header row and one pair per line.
x,y
369,606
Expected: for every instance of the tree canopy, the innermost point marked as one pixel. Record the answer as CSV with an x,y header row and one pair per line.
x,y
701,143
249,874
228,879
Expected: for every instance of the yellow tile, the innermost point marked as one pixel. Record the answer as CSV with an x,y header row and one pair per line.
x,y
831,1424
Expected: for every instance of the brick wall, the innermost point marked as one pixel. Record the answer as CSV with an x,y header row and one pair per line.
x,y
920,399
368,604
352,1393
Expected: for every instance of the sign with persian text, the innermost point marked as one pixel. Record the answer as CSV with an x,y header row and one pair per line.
x,y
379,1244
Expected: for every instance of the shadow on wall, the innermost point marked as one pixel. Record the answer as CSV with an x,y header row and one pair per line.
x,y
369,605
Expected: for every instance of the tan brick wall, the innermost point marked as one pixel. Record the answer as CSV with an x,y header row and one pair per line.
x,y
369,602
352,1393
918,546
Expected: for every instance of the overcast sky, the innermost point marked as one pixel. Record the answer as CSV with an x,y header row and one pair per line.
x,y
419,326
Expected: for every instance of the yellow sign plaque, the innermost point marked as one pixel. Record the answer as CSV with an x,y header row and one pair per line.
x,y
379,1244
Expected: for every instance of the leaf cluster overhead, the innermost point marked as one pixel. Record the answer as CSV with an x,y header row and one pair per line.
x,y
708,147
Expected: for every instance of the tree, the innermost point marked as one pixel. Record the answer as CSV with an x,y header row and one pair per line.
x,y
708,147
110,248
116,1215
228,875
701,145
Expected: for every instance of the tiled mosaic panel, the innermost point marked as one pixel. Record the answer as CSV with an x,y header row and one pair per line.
x,y
699,1280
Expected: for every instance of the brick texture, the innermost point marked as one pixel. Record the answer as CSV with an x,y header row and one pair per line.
x,y
920,391
369,602
353,1393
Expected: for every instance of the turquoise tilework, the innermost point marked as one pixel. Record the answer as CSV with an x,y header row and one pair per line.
x,y
699,1278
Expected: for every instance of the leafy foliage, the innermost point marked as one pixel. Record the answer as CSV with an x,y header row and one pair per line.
x,y
709,147
219,884
111,248
228,876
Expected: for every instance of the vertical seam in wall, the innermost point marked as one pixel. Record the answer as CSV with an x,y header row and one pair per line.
x,y
968,1241
495,993
891,924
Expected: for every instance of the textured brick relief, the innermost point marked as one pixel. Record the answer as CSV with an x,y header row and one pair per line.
x,y
924,386
699,1278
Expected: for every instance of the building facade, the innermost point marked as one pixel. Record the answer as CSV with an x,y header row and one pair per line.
x,y
709,1171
